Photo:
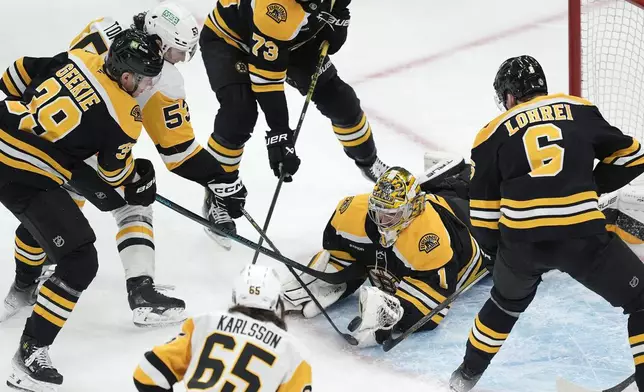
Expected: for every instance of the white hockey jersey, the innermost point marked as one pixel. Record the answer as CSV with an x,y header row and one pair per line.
x,y
165,112
226,351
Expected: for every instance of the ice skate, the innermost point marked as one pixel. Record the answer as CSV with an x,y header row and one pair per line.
x,y
32,369
217,214
374,171
20,296
151,308
463,379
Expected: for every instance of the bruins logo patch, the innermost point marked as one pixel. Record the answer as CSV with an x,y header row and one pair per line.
x,y
136,113
241,67
428,242
472,168
345,204
277,12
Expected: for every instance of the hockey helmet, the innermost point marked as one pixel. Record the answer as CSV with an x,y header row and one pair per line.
x,y
395,201
134,52
176,27
311,6
257,287
520,76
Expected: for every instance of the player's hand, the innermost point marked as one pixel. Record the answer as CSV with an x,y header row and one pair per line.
x,y
281,153
143,189
337,27
231,195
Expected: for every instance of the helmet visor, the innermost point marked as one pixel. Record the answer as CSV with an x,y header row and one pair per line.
x,y
174,55
143,83
385,218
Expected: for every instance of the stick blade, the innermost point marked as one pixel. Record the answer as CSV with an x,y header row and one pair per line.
x,y
564,385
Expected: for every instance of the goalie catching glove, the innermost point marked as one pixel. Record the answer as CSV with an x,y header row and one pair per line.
x,y
379,313
296,299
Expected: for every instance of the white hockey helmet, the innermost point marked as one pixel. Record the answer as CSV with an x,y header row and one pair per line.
x,y
257,287
177,28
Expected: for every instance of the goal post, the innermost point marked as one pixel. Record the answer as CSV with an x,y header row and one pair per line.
x,y
606,59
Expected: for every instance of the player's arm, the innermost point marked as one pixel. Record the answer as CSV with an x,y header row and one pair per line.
x,y
19,75
298,379
166,119
485,191
166,365
621,156
97,36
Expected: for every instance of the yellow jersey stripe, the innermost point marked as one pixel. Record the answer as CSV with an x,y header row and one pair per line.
x,y
485,204
419,305
359,141
278,75
10,86
30,249
173,165
134,229
229,152
57,298
624,235
25,260
636,162
636,339
558,221
23,72
28,167
425,289
489,332
31,150
267,88
623,152
39,310
481,346
550,201
639,360
346,131
222,23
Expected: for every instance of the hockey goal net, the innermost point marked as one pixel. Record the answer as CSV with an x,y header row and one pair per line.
x,y
607,59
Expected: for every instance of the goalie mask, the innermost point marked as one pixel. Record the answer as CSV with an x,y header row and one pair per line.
x,y
394,203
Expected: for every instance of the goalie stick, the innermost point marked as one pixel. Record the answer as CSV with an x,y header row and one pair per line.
x,y
350,339
566,386
333,278
314,81
391,343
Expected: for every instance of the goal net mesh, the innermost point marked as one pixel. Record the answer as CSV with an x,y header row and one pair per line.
x,y
612,61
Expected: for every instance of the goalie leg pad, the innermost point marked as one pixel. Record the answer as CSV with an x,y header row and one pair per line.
x,y
629,223
296,298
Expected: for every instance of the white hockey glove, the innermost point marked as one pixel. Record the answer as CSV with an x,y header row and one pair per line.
x,y
297,299
378,311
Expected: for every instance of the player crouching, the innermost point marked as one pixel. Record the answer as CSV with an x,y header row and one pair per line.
x,y
245,348
415,247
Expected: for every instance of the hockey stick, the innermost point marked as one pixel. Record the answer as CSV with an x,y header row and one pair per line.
x,y
350,339
307,101
391,343
566,386
333,278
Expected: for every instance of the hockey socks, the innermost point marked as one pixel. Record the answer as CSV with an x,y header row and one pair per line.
x,y
491,327
53,307
636,340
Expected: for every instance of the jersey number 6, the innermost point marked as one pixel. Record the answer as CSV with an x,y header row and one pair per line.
x,y
210,370
545,161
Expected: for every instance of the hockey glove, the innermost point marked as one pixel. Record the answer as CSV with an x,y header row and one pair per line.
x,y
379,312
281,153
231,195
337,28
143,189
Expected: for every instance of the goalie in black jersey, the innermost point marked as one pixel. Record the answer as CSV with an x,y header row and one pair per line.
x,y
80,105
250,49
534,199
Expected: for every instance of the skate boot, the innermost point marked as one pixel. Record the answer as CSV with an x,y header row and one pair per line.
x,y
32,368
463,379
217,214
373,171
151,308
21,295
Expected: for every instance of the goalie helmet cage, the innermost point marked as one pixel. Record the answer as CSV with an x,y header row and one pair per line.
x,y
606,59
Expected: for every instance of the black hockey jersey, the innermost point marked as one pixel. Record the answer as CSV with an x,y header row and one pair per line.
x,y
432,258
77,107
533,176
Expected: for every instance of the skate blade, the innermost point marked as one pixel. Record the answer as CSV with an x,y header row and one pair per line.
x,y
22,382
224,242
146,318
9,311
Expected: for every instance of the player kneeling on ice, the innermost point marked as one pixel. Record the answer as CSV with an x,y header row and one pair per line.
x,y
415,247
246,348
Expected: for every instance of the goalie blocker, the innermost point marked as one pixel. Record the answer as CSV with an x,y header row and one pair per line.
x,y
414,247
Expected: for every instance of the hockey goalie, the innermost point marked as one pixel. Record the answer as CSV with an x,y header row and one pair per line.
x,y
415,247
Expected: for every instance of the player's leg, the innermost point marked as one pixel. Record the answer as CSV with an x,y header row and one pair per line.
x,y
337,101
517,274
58,225
135,242
227,71
614,272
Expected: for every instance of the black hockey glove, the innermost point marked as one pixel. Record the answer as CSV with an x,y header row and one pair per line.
x,y
143,189
281,153
231,195
337,28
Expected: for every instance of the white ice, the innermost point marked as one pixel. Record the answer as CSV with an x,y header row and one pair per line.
x,y
423,70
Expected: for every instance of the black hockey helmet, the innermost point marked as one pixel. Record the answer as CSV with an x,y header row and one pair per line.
x,y
311,6
135,52
520,76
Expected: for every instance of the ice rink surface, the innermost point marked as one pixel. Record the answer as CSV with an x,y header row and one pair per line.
x,y
423,70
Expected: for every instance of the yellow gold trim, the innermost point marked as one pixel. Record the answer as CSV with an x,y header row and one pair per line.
x,y
35,152
267,74
23,72
267,88
25,260
39,310
57,298
346,131
623,152
9,83
485,204
489,332
27,167
134,229
562,221
358,141
229,152
633,340
550,201
30,249
425,289
481,346
419,305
